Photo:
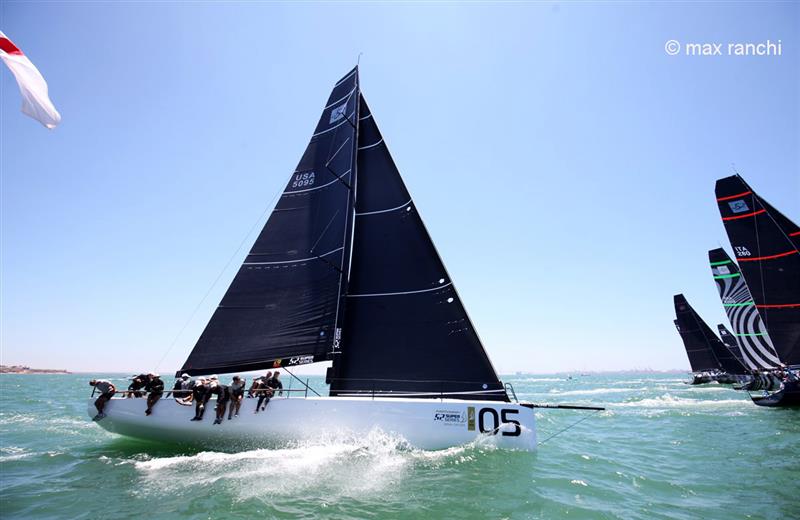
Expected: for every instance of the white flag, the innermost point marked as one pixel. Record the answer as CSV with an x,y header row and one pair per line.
x,y
32,86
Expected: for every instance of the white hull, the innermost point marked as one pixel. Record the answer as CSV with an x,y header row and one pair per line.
x,y
425,423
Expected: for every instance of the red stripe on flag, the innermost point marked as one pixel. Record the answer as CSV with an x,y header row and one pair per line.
x,y
8,46
778,305
770,257
729,197
745,215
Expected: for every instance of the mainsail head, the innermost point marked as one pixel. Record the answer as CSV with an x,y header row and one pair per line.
x,y
765,245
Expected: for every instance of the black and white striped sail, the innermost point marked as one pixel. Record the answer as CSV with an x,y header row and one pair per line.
x,y
765,245
733,346
283,303
405,329
696,336
749,330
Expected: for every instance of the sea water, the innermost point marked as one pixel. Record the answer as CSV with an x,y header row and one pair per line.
x,y
662,449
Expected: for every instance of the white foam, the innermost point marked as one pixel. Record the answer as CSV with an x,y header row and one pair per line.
x,y
669,401
595,391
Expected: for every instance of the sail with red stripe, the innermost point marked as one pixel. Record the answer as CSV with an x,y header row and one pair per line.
x,y
765,243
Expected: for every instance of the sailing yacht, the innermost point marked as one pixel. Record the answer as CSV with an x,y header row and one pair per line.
x,y
765,308
709,358
344,271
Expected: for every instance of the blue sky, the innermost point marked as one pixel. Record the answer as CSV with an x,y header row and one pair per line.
x,y
563,162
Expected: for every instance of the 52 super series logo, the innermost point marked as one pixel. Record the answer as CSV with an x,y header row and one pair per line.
x,y
489,420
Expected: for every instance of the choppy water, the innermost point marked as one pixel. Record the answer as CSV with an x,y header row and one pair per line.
x,y
662,450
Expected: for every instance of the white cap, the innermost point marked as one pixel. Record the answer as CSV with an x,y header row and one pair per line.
x,y
184,375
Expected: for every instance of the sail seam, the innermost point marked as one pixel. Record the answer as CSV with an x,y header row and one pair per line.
x,y
371,145
365,117
341,99
345,78
346,120
383,210
399,293
295,261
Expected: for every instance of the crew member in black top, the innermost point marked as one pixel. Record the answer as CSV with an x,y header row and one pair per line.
x,y
273,384
263,391
237,393
154,389
137,383
200,395
183,387
223,393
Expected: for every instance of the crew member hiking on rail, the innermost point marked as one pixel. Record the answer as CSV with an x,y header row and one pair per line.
x,y
137,383
223,393
200,395
237,393
155,389
183,387
263,391
107,390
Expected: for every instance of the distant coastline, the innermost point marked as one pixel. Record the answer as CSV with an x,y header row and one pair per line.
x,y
20,369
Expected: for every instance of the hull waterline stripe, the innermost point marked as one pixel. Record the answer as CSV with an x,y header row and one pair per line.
x,y
399,293
721,276
318,187
729,197
294,261
769,257
753,214
370,145
383,210
714,264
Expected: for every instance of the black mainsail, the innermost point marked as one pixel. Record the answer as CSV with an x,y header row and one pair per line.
x,y
748,327
344,270
730,341
696,336
284,302
765,244
405,329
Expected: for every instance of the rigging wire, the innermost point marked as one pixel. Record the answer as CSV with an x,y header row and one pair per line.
x,y
576,423
219,276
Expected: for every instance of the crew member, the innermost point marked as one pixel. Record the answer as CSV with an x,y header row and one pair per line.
x,y
107,390
155,389
264,392
137,383
223,393
200,395
183,386
237,394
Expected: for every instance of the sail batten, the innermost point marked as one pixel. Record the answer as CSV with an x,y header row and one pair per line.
x,y
750,333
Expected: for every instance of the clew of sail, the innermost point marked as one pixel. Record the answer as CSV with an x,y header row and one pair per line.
x,y
405,329
765,245
284,302
750,333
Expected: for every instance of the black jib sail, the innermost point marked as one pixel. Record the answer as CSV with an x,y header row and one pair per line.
x,y
730,341
763,241
749,330
405,330
696,336
282,305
